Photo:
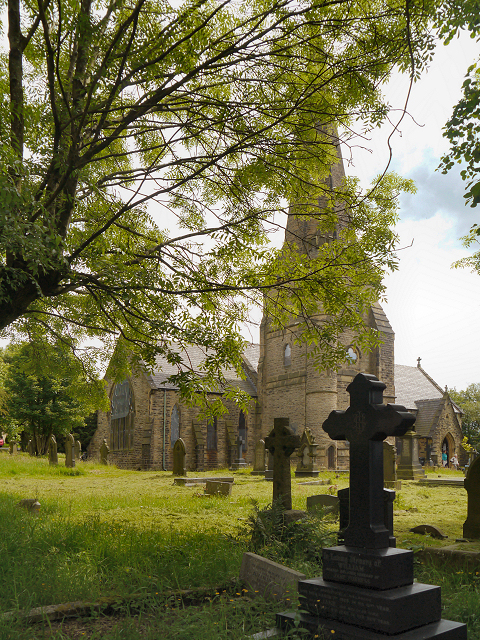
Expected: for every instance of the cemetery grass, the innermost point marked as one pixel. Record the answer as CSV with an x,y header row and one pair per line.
x,y
103,532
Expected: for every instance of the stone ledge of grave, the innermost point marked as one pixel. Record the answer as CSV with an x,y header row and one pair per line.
x,y
379,569
391,611
443,629
450,554
183,481
410,472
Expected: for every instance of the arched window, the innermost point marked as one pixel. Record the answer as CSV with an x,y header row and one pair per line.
x,y
174,425
242,430
287,355
212,434
352,355
122,417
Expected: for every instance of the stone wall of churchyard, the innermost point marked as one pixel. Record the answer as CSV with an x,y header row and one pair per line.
x,y
163,403
298,391
135,455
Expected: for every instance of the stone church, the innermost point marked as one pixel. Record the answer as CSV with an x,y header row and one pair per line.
x,y
147,416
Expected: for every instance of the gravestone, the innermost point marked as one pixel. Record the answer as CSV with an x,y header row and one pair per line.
x,y
307,455
324,501
104,451
52,451
268,579
471,526
70,451
78,449
179,455
12,448
390,467
239,462
218,488
281,442
259,466
367,590
30,448
409,467
269,469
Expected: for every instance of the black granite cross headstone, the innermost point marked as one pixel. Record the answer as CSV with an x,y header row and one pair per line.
x,y
281,442
365,424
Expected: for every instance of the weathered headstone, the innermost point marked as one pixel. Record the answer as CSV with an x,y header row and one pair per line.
x,y
390,467
12,447
30,448
281,442
269,469
52,451
367,590
267,578
78,449
307,455
429,529
179,455
259,466
216,488
409,467
471,526
104,451
323,500
239,462
70,451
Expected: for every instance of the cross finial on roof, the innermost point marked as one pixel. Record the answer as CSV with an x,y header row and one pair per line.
x,y
418,362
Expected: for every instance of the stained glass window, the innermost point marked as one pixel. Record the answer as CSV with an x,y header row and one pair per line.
x,y
212,435
122,416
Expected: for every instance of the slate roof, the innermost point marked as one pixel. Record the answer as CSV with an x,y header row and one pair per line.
x,y
193,356
427,412
413,384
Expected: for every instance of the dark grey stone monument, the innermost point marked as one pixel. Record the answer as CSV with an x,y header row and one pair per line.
x,y
409,467
281,442
390,467
70,451
471,526
30,448
52,451
179,455
367,590
259,466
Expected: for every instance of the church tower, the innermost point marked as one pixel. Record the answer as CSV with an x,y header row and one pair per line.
x,y
289,385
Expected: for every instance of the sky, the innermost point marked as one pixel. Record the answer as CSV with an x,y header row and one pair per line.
x,y
433,308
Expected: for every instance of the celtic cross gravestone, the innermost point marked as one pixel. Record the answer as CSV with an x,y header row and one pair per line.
x,y
281,442
367,590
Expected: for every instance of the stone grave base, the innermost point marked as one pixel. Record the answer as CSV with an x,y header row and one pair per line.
x,y
257,473
184,481
306,474
396,485
442,630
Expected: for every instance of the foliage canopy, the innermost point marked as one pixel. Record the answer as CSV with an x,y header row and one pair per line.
x,y
148,148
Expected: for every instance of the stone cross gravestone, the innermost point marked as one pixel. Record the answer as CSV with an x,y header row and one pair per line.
x,y
104,451
70,451
409,467
52,451
471,526
179,455
281,442
259,459
367,590
239,462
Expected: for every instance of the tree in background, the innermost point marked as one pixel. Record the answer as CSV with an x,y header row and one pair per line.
x,y
148,148
44,393
469,402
